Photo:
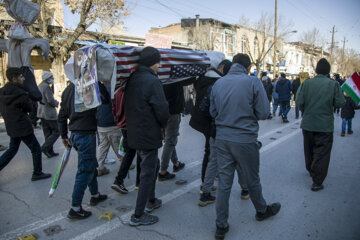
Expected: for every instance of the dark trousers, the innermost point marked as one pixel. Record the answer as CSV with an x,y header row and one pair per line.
x,y
32,143
206,157
51,134
317,149
150,165
284,108
127,161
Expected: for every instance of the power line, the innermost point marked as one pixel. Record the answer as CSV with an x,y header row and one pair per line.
x,y
165,6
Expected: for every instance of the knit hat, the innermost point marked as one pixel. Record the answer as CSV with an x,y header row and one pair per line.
x,y
323,67
46,75
149,56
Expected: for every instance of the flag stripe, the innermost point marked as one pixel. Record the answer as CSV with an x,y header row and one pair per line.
x,y
356,79
352,94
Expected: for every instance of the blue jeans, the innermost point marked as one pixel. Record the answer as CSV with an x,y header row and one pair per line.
x,y
275,104
284,108
348,122
32,143
85,145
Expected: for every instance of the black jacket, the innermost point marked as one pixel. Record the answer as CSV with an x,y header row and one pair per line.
x,y
295,86
146,109
201,120
83,122
174,93
348,110
14,107
266,81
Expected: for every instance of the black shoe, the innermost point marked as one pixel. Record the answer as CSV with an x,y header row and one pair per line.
x,y
95,200
47,153
40,176
271,210
81,214
178,167
145,219
120,188
54,154
205,199
220,232
350,132
166,176
315,187
151,205
245,194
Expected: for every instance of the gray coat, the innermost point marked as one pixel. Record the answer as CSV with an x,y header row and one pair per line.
x,y
237,102
47,110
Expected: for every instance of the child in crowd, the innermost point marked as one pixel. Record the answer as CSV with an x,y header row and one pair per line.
x,y
347,114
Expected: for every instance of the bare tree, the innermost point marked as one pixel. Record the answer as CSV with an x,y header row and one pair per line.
x,y
263,41
351,62
89,11
313,45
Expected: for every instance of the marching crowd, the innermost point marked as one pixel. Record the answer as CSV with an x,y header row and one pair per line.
x,y
146,114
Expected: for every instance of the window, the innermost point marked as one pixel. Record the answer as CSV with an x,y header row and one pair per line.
x,y
243,44
255,46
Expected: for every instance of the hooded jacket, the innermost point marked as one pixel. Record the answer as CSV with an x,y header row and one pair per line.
x,y
283,88
146,109
47,107
14,106
201,120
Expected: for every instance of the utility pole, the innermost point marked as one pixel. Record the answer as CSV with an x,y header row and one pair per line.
x,y
332,44
274,46
343,64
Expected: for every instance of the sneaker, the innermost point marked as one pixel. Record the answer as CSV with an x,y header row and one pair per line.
x,y
3,148
245,194
151,205
342,134
40,176
285,120
213,190
120,188
316,187
166,176
271,210
350,132
205,199
81,214
109,161
103,171
178,167
220,232
136,187
96,200
145,219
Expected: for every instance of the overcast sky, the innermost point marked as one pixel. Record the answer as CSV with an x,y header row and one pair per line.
x,y
304,14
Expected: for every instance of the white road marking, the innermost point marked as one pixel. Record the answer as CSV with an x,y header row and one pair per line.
x,y
109,226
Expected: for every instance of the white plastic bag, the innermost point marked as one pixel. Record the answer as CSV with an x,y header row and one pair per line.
x,y
18,31
22,11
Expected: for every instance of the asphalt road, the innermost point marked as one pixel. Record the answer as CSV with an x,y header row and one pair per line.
x,y
331,214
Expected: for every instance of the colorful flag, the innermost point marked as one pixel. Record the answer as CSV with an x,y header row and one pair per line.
x,y
352,87
60,170
175,64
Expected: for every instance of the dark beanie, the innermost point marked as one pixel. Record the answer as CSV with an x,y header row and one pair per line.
x,y
242,59
149,56
323,67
